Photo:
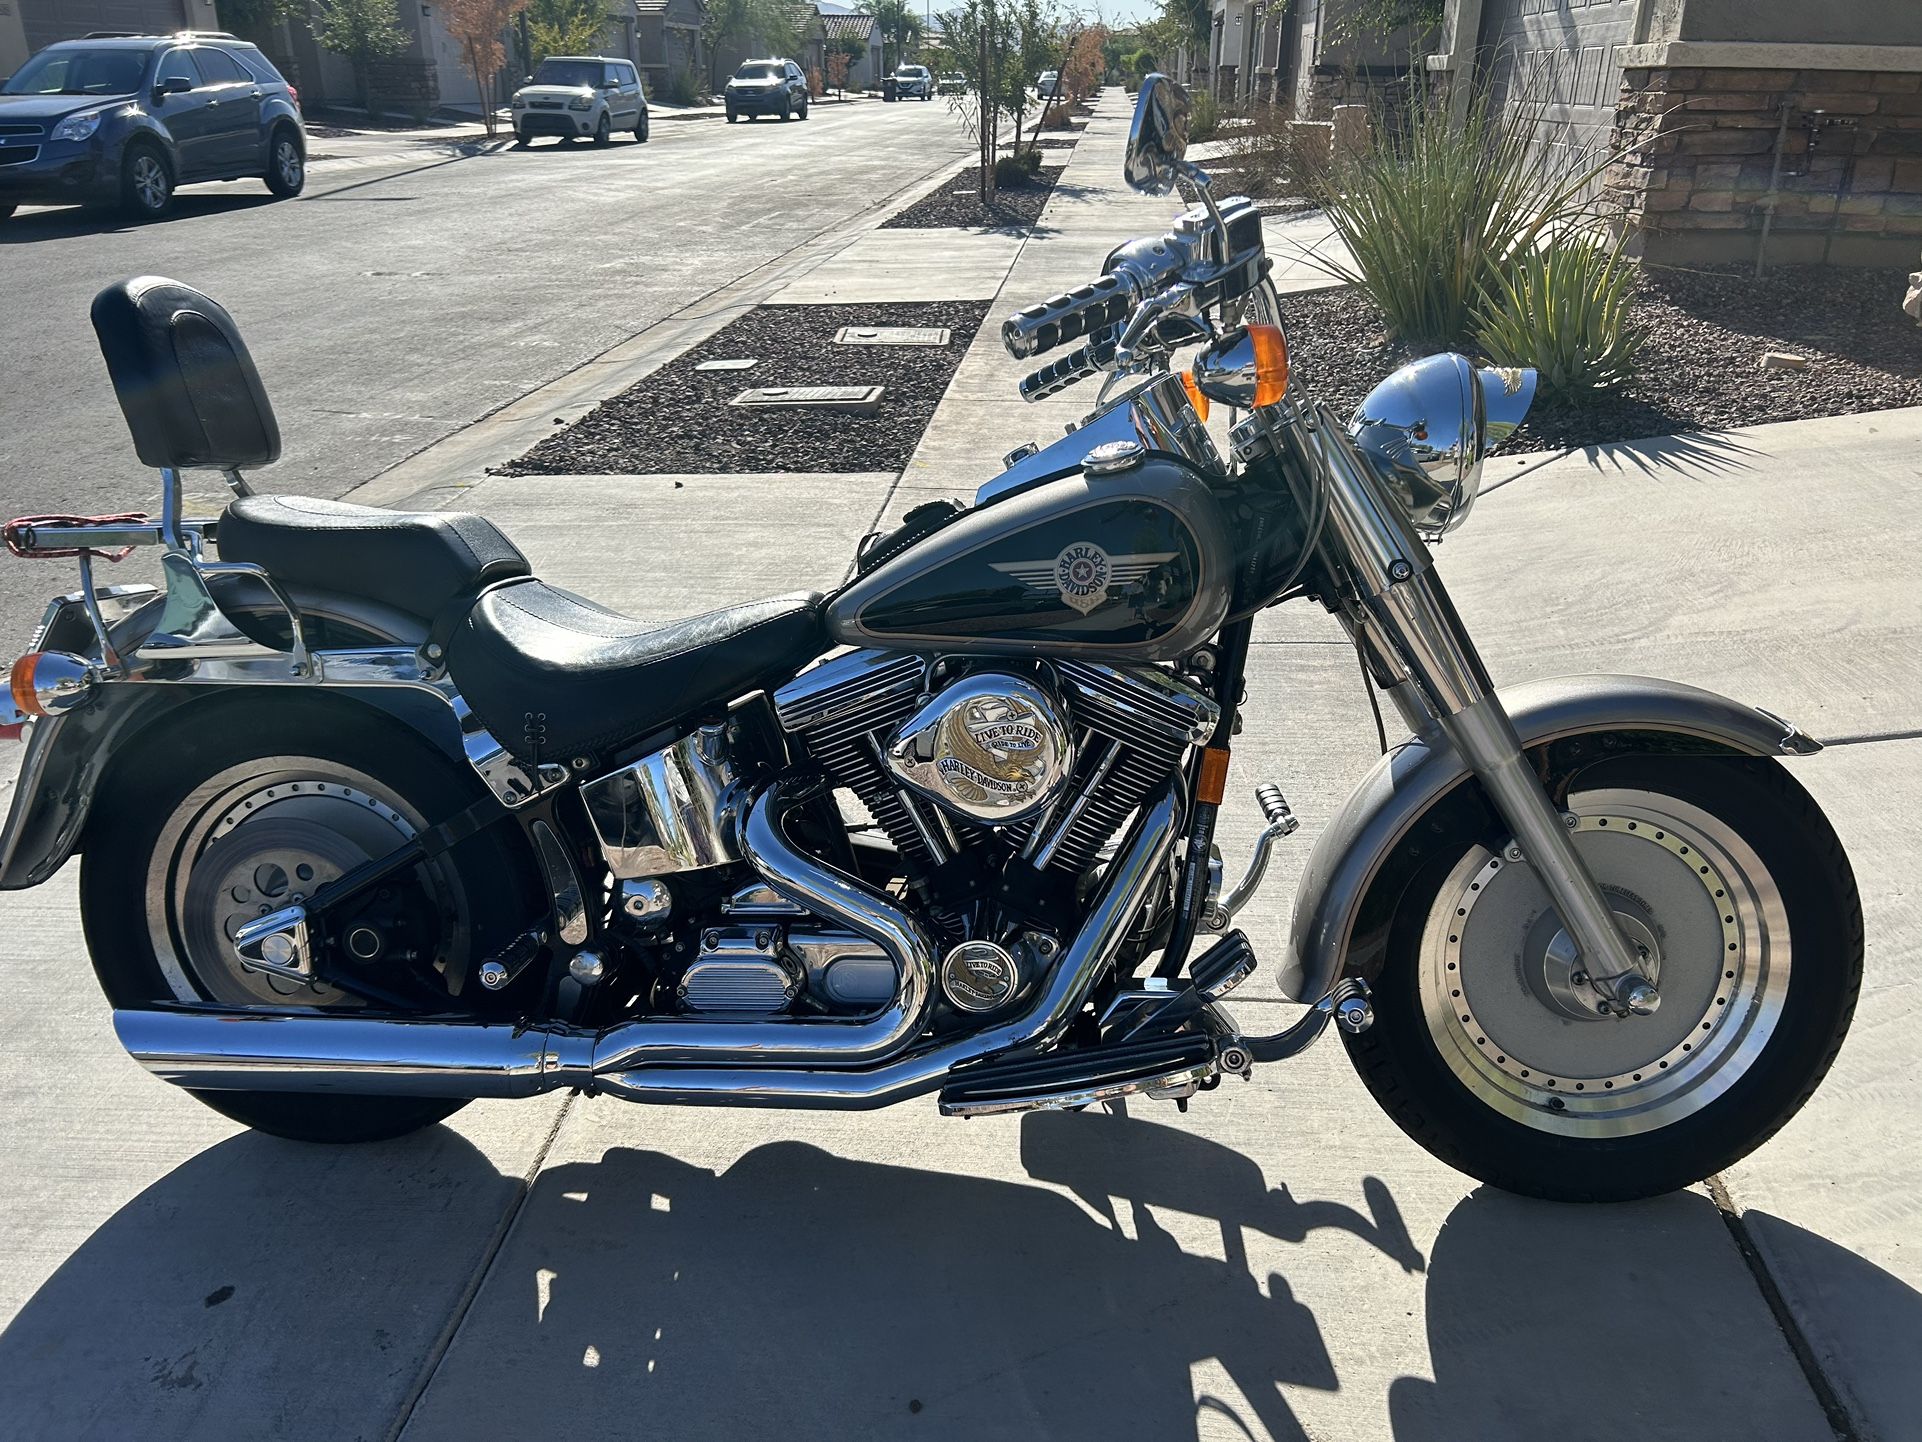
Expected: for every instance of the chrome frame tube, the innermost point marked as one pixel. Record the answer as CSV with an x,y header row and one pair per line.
x,y
1406,606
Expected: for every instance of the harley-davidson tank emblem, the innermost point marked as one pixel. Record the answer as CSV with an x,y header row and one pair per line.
x,y
1083,573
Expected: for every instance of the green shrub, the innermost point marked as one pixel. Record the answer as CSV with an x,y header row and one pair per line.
x,y
1432,213
677,89
1204,117
1563,308
1010,171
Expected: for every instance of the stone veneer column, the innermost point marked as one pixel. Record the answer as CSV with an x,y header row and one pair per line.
x,y
1700,142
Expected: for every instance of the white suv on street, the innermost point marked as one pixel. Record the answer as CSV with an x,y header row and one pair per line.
x,y
581,95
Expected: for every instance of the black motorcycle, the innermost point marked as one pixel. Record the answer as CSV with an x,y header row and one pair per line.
x,y
373,821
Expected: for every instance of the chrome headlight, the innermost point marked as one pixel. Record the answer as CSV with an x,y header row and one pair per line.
x,y
581,102
1427,427
519,101
78,127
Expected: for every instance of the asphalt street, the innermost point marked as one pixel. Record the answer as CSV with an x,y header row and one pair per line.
x,y
413,288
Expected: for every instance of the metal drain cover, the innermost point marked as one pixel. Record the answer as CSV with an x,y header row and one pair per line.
x,y
746,363
852,400
891,335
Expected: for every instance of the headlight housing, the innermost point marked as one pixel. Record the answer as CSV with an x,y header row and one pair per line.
x,y
1428,426
519,102
79,127
581,102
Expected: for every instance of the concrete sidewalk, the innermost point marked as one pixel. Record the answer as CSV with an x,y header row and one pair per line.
x,y
1278,1263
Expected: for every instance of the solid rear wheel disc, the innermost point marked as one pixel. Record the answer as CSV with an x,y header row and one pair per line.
x,y
1713,929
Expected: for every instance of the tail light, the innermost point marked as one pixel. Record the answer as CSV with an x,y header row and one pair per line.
x,y
45,683
293,94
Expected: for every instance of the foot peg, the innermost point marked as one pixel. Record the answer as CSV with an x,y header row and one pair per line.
x,y
1169,1066
1223,966
1281,822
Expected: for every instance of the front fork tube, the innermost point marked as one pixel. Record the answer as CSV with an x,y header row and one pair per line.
x,y
1410,622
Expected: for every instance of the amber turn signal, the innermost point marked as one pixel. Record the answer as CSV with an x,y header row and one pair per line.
x,y
1195,397
1271,363
43,683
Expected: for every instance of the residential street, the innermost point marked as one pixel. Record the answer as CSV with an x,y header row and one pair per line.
x,y
1278,1263
414,288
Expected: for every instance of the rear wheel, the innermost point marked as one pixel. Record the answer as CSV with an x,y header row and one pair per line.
x,y
1489,1048
286,166
146,184
250,807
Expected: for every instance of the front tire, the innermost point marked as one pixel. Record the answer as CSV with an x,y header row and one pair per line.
x,y
238,807
146,184
640,131
1735,886
604,130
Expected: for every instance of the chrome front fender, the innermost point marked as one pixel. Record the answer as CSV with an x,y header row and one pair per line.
x,y
1370,848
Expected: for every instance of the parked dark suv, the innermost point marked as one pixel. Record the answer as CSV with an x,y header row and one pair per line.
x,y
767,87
124,119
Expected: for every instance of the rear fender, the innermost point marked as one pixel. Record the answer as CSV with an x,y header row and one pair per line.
x,y
1421,798
69,757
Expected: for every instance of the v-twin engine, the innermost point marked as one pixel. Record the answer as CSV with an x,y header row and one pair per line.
x,y
933,756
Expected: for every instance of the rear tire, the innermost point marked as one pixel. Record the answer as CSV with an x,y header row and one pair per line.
x,y
1754,922
146,184
253,800
286,166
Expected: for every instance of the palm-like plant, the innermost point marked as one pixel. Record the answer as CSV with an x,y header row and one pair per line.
x,y
900,28
1563,308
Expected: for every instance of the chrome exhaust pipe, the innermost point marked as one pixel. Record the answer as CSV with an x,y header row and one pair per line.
x,y
1141,860
267,1051
659,1061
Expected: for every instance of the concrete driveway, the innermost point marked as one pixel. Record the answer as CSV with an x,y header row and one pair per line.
x,y
1280,1262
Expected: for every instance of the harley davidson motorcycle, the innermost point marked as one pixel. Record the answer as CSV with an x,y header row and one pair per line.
x,y
373,822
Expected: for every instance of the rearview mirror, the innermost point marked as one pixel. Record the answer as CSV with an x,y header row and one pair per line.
x,y
1158,137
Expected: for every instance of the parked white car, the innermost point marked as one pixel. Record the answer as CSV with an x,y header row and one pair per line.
x,y
1048,84
575,96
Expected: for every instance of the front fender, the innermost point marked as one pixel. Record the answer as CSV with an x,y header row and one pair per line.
x,y
1370,851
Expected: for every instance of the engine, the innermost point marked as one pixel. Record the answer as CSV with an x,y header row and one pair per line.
x,y
1027,769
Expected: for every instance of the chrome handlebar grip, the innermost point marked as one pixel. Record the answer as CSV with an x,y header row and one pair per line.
x,y
1076,366
1067,316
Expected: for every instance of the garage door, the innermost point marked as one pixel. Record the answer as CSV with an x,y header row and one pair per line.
x,y
1558,59
49,20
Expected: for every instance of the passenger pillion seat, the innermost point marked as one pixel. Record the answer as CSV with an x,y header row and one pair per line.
x,y
549,674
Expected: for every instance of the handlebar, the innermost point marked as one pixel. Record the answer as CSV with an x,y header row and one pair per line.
x,y
1084,361
1064,317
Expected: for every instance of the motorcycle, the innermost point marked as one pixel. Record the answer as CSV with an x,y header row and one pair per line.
x,y
372,821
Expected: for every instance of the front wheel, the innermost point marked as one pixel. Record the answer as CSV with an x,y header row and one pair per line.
x,y
640,130
243,807
146,185
604,131
1489,1047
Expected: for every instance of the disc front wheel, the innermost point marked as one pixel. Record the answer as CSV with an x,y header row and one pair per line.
x,y
1493,1049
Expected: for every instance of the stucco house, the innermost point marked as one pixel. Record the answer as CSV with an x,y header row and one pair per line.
x,y
1310,55
864,71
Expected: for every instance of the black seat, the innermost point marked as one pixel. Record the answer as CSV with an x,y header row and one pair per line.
x,y
554,676
414,561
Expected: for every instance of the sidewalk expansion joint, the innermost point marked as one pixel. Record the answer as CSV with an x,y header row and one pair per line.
x,y
1824,1391
510,1216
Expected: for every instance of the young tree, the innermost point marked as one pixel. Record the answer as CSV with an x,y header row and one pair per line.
x,y
978,40
1087,63
362,30
774,24
565,27
476,26
842,52
254,19
900,29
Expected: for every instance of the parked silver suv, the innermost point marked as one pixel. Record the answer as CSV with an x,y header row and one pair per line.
x,y
580,95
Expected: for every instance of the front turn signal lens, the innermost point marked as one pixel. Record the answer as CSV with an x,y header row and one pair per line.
x,y
1195,397
45,683
1271,363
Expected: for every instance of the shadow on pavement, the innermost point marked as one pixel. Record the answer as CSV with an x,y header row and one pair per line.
x,y
1691,453
71,220
264,1289
1564,1322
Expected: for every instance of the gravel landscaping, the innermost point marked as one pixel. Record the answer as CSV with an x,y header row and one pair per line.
x,y
1700,368
679,420
958,204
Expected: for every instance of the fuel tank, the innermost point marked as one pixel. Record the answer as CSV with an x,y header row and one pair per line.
x,y
1130,566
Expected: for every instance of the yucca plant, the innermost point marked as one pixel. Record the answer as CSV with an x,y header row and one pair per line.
x,y
1563,308
1432,211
